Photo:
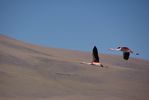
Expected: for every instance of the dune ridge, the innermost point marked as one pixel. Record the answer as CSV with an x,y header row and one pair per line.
x,y
31,72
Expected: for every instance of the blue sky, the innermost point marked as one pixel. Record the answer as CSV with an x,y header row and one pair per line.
x,y
78,24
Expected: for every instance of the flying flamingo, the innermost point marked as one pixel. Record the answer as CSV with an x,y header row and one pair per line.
x,y
126,51
95,56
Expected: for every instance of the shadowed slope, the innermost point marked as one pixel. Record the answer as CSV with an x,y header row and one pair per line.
x,y
30,72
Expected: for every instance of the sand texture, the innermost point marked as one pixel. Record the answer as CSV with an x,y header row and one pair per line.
x,y
31,72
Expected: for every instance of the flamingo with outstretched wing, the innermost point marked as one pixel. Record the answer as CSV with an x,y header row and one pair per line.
x,y
95,60
126,51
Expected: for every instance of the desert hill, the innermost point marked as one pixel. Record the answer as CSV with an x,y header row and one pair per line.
x,y
31,72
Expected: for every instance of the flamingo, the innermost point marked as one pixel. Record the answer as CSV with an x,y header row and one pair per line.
x,y
95,57
126,51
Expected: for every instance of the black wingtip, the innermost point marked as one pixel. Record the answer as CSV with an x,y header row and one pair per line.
x,y
95,54
126,55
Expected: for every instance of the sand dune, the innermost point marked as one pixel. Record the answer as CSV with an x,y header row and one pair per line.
x,y
30,72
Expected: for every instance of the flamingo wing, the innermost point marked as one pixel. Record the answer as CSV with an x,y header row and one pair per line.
x,y
126,55
95,54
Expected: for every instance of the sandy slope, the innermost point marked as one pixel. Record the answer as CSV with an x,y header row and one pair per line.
x,y
29,72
